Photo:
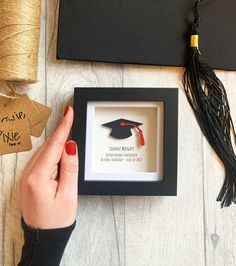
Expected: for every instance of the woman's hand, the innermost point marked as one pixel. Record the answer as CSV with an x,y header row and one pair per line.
x,y
48,190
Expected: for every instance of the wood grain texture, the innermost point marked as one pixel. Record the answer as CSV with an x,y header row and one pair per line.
x,y
190,229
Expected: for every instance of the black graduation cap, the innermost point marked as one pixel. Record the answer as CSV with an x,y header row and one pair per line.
x,y
145,31
121,129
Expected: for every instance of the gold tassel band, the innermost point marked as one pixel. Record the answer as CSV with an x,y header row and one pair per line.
x,y
194,41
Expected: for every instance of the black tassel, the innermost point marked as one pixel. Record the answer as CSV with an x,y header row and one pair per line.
x,y
208,99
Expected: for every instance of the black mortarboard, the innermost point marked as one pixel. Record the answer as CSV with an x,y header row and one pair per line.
x,y
145,31
121,129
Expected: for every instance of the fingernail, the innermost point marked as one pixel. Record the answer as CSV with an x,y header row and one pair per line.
x,y
71,148
66,110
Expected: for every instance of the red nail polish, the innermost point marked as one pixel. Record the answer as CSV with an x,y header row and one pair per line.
x,y
66,110
71,148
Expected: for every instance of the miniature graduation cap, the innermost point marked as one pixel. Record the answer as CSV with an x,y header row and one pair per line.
x,y
121,129
208,99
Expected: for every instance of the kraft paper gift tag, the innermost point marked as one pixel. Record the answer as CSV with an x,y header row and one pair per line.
x,y
20,118
45,111
15,137
19,109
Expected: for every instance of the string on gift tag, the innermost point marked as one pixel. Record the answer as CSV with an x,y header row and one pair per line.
x,y
13,92
7,96
14,96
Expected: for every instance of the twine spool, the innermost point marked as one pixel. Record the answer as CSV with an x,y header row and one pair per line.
x,y
19,40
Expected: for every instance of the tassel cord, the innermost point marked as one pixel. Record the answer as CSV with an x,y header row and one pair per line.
x,y
208,99
201,103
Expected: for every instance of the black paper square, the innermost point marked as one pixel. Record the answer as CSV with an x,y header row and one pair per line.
x,y
151,32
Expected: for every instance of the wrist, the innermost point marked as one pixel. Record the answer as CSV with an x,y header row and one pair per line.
x,y
31,233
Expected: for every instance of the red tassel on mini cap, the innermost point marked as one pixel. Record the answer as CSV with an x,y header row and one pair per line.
x,y
141,137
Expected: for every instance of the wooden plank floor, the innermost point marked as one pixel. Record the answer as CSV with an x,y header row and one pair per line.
x,y
190,229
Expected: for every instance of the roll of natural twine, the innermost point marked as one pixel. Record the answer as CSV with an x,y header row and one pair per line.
x,y
19,40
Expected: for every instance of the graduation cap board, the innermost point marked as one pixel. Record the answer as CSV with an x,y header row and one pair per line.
x,y
145,31
121,129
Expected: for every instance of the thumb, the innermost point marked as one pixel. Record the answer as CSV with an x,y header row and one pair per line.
x,y
69,166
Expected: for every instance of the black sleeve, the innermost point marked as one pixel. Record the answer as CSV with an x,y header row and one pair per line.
x,y
44,247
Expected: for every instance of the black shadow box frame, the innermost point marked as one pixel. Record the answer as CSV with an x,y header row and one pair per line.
x,y
165,187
